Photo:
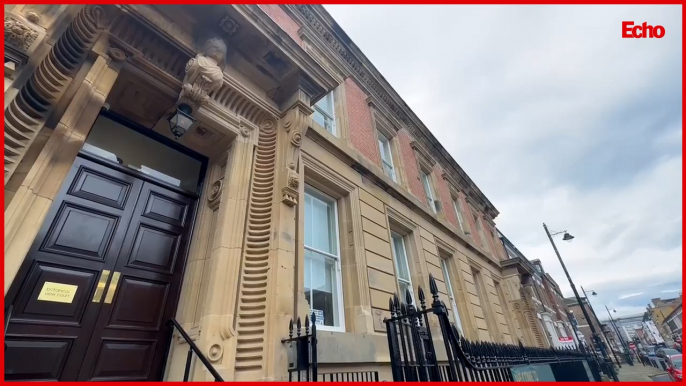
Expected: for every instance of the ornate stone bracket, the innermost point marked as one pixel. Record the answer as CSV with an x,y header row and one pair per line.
x,y
18,34
204,74
295,123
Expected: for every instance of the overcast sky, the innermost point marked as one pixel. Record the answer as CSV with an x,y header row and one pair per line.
x,y
557,119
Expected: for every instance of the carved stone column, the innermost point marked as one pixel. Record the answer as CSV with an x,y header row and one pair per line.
x,y
29,206
208,304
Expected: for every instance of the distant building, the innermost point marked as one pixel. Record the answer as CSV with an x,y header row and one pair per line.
x,y
583,324
630,327
672,324
660,310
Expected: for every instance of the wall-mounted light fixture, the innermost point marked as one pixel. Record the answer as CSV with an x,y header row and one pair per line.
x,y
181,121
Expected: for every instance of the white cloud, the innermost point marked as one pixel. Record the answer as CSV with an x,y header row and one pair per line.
x,y
671,290
630,295
558,120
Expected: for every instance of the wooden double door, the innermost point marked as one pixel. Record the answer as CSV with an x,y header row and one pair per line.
x,y
93,296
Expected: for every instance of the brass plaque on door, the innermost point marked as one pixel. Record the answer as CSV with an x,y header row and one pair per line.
x,y
57,292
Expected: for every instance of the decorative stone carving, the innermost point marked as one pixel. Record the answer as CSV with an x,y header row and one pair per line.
x,y
23,120
245,130
116,54
215,191
295,124
256,254
204,74
215,352
19,34
228,25
33,17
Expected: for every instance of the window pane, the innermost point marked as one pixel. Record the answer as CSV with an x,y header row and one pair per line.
x,y
458,213
427,189
388,170
453,302
111,140
320,226
400,258
404,287
385,149
326,104
319,118
321,287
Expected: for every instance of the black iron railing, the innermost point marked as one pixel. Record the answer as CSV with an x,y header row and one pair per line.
x,y
413,355
302,350
349,376
192,348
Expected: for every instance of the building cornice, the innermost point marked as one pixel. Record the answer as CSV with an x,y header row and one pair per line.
x,y
319,79
333,39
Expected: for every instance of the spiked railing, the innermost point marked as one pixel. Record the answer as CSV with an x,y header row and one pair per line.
x,y
413,355
303,358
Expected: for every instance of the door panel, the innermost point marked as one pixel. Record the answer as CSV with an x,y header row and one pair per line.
x,y
81,232
31,310
104,225
154,249
48,357
81,236
134,291
120,359
151,265
99,187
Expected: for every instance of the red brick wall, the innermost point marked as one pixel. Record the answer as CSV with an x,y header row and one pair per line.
x,y
410,166
360,127
444,195
284,21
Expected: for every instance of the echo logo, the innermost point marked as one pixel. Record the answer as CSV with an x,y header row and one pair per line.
x,y
641,31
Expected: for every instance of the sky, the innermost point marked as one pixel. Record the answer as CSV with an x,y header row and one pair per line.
x,y
557,119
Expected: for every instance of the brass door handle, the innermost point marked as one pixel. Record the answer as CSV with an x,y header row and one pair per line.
x,y
113,287
101,285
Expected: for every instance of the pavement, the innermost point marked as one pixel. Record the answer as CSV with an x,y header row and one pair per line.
x,y
662,378
640,373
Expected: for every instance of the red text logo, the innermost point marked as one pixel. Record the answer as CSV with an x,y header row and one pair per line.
x,y
641,31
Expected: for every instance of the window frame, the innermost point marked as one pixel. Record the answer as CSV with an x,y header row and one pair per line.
x,y
327,117
457,206
428,189
397,236
388,150
451,294
339,273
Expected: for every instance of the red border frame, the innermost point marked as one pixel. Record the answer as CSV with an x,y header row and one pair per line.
x,y
662,2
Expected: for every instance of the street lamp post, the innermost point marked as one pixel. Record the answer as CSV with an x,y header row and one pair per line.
x,y
628,357
596,338
619,335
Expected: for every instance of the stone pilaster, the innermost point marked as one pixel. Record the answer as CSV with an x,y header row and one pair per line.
x,y
29,206
287,277
208,305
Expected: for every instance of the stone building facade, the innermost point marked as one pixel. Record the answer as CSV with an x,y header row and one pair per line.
x,y
306,185
659,311
540,305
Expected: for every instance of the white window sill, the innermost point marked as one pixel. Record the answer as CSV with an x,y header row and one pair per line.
x,y
331,328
